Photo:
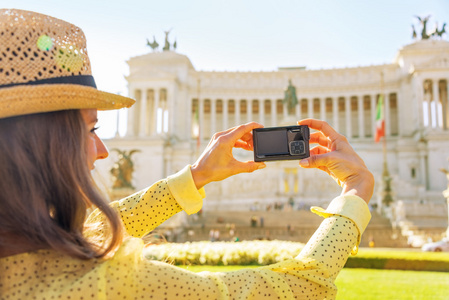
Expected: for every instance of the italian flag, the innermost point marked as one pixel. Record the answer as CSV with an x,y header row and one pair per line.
x,y
380,119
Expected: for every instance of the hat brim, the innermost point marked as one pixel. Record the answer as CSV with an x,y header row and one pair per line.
x,y
24,100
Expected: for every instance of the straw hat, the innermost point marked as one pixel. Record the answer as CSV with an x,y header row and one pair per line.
x,y
44,67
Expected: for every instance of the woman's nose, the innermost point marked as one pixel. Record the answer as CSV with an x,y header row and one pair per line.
x,y
102,151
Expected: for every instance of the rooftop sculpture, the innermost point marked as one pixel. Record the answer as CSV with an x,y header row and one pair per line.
x,y
167,46
436,33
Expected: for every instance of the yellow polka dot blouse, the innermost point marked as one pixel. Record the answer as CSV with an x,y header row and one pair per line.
x,y
47,274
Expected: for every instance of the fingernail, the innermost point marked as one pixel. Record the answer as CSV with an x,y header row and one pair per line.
x,y
261,166
304,163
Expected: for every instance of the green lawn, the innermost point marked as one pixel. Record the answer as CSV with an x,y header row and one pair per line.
x,y
392,284
369,284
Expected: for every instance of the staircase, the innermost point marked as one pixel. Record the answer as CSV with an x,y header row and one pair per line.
x,y
421,222
281,225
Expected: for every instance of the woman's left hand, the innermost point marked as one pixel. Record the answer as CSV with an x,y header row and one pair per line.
x,y
217,162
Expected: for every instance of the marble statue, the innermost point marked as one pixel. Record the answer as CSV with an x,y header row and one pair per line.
x,y
290,96
122,169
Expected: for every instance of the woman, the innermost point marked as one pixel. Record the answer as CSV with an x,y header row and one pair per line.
x,y
50,249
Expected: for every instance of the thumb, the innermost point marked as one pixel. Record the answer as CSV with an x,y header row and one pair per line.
x,y
251,166
314,161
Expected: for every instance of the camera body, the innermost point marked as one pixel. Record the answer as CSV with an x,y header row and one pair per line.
x,y
281,143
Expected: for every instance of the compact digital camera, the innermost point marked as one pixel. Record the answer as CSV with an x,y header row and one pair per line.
x,y
281,143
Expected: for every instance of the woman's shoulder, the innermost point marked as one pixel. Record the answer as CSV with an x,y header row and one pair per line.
x,y
51,273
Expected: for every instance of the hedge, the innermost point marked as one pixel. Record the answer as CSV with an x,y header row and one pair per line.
x,y
399,260
268,252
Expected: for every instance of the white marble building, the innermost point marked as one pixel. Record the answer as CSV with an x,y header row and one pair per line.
x,y
179,108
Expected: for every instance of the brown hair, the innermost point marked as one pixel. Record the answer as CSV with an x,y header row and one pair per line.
x,y
46,185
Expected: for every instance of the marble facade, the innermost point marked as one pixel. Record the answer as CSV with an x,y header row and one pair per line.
x,y
179,108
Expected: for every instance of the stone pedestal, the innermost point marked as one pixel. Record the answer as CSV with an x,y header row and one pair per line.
x,y
288,121
446,195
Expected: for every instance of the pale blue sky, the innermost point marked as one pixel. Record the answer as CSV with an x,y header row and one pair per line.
x,y
244,35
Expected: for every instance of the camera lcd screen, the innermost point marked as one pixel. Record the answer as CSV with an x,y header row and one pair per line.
x,y
272,142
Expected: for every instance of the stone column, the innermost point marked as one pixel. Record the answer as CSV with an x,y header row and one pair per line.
x,y
117,127
155,110
249,110
273,113
335,113
361,114
419,89
262,112
348,117
237,112
310,108
201,119
225,114
436,101
428,98
444,107
143,117
323,108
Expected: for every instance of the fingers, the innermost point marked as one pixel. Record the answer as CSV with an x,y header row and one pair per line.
x,y
244,145
240,136
319,150
319,138
243,131
322,126
316,159
245,142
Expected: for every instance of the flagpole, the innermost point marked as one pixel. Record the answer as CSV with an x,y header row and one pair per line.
x,y
387,199
384,108
198,141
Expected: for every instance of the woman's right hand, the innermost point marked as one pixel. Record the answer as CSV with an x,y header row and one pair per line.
x,y
217,161
335,156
